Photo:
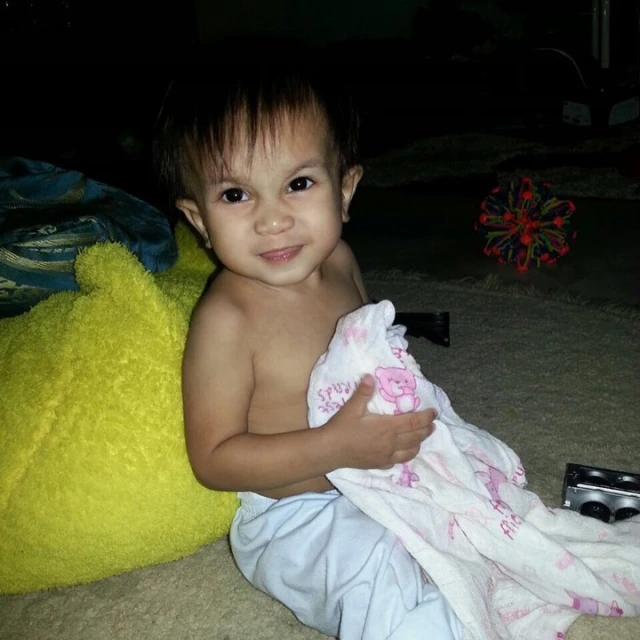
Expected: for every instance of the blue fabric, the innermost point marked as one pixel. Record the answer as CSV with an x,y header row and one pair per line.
x,y
48,214
337,570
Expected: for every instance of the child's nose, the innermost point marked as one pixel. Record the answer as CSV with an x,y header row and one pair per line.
x,y
273,221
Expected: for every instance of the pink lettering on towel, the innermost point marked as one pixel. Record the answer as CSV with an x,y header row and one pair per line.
x,y
510,526
334,396
517,477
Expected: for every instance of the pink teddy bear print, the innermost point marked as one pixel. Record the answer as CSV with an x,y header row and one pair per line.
x,y
398,386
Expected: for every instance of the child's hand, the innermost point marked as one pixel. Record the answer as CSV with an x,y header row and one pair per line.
x,y
364,440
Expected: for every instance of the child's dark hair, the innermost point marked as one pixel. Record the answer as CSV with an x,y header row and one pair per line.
x,y
203,110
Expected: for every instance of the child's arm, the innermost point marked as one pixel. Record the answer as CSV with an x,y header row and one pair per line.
x,y
217,387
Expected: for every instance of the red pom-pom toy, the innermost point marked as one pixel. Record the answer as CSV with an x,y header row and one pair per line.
x,y
525,224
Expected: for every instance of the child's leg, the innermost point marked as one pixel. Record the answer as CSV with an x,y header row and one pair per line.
x,y
339,571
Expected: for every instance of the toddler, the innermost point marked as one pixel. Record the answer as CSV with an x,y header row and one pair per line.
x,y
263,164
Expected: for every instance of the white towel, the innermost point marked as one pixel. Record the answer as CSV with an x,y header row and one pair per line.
x,y
510,567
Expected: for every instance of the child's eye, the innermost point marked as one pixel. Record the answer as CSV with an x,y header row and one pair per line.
x,y
300,184
234,195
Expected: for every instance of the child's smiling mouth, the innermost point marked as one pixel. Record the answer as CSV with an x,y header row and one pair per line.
x,y
279,256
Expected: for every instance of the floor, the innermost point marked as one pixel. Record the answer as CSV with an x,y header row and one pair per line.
x,y
414,229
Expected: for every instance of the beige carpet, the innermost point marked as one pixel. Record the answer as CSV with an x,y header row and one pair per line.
x,y
555,379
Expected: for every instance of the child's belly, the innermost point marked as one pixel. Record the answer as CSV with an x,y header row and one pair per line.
x,y
281,415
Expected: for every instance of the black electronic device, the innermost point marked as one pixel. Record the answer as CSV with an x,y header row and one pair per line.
x,y
601,493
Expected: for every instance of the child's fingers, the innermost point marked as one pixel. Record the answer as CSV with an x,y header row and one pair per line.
x,y
416,421
367,384
361,396
413,439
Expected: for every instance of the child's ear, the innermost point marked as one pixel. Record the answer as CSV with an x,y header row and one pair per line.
x,y
194,218
350,182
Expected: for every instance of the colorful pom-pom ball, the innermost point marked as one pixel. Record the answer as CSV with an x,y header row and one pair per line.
x,y
525,224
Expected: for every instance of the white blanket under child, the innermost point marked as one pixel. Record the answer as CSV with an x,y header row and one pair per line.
x,y
510,567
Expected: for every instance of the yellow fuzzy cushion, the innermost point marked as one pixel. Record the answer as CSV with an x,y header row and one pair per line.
x,y
94,477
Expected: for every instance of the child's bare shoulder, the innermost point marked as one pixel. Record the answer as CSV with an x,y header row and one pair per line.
x,y
346,264
218,317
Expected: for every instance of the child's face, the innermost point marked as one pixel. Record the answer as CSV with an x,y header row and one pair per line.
x,y
277,215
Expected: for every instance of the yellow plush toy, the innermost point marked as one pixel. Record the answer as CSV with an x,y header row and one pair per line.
x,y
94,477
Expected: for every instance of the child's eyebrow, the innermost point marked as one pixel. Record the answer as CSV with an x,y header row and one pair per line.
x,y
226,177
312,163
223,177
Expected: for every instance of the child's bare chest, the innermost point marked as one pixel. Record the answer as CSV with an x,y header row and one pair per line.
x,y
288,347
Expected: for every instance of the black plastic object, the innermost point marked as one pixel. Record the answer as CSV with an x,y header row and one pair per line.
x,y
601,493
432,326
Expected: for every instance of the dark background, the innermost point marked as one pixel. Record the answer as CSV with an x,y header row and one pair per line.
x,y
82,80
